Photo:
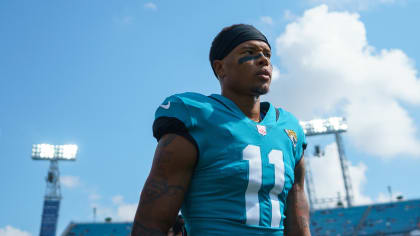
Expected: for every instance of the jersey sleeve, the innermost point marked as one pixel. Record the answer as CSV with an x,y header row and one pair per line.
x,y
301,143
172,116
174,107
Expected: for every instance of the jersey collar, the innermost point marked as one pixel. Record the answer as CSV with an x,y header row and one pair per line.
x,y
269,117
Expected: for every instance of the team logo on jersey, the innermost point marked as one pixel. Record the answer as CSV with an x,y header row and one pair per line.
x,y
261,129
292,135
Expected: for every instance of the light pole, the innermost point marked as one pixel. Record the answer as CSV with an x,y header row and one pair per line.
x,y
52,153
336,126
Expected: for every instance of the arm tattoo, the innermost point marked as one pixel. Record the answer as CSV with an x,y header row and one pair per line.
x,y
165,142
155,189
163,158
303,222
302,207
302,204
140,230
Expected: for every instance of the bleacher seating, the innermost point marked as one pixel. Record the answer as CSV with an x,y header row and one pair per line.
x,y
394,218
335,221
98,229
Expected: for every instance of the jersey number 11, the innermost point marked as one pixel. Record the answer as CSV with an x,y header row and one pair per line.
x,y
252,153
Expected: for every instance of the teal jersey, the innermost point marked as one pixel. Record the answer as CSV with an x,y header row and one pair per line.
x,y
244,169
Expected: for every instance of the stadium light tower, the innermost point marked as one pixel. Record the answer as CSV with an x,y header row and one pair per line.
x,y
52,153
336,126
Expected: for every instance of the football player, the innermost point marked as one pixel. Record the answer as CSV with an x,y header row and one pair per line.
x,y
232,164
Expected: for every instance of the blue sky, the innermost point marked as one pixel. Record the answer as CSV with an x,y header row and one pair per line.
x,y
93,72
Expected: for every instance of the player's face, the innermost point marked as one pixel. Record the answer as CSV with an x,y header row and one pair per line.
x,y
247,69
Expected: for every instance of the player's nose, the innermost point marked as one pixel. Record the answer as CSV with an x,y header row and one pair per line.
x,y
263,60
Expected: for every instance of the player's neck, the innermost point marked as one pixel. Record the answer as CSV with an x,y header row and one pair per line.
x,y
249,105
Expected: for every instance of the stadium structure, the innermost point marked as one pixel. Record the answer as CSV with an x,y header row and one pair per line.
x,y
401,218
395,218
52,198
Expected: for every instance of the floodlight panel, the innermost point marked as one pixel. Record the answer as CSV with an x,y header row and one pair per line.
x,y
337,123
54,152
43,151
66,152
324,126
318,126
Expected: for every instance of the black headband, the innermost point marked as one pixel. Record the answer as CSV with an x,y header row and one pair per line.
x,y
231,37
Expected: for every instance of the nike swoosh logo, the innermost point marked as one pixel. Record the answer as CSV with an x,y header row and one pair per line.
x,y
166,106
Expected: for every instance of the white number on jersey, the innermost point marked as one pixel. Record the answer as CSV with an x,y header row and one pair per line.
x,y
252,153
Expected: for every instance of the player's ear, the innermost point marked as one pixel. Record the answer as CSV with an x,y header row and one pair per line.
x,y
218,68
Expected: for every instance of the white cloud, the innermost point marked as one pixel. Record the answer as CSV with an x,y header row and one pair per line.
x,y
126,212
123,212
353,4
382,197
328,180
126,20
328,68
358,180
289,15
387,1
120,211
11,231
267,20
117,199
103,212
150,6
94,196
276,73
70,181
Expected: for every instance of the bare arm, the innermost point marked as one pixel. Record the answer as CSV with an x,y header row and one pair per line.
x,y
164,190
297,213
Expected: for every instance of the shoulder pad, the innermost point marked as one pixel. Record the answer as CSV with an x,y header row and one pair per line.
x,y
185,107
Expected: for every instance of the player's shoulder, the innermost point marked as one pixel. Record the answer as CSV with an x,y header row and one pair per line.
x,y
294,130
187,98
189,102
187,107
287,117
